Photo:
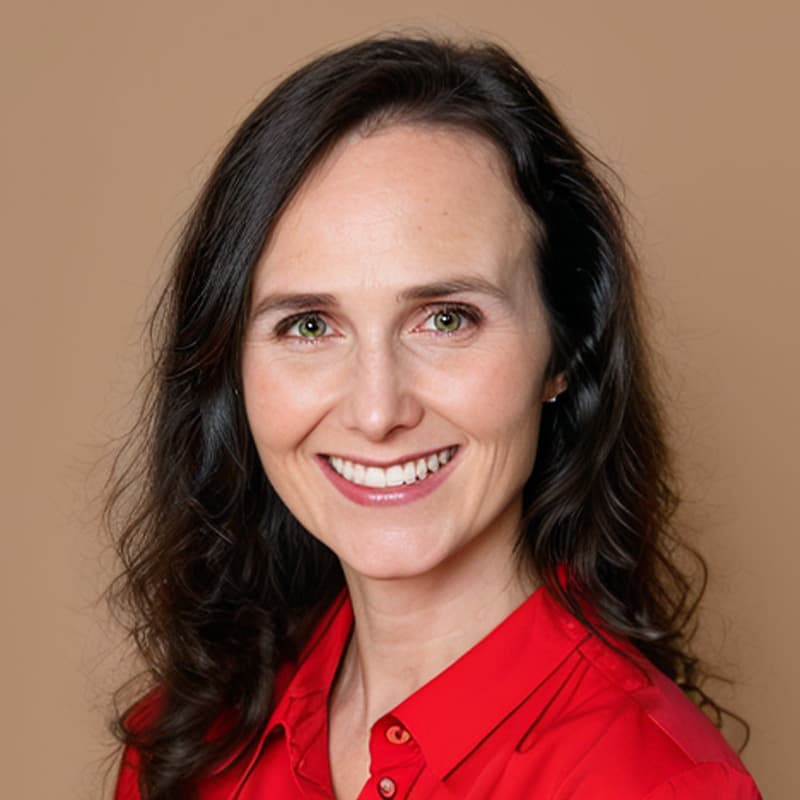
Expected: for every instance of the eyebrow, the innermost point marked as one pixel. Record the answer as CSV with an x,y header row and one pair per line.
x,y
427,291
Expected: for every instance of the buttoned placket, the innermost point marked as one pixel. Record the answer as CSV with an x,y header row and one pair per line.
x,y
395,761
401,765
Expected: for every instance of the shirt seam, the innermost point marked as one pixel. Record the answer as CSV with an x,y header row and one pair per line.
x,y
638,704
607,729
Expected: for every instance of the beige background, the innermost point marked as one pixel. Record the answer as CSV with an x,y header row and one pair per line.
x,y
112,114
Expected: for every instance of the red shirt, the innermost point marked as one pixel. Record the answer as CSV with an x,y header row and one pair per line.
x,y
539,708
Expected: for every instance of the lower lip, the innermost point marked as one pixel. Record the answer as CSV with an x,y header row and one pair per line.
x,y
391,495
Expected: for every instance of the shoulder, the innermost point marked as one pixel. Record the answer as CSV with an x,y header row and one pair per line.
x,y
136,721
146,711
638,729
609,724
642,693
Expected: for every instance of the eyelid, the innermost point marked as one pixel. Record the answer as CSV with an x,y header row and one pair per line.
x,y
471,314
283,326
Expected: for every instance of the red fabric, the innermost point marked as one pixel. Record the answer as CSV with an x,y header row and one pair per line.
x,y
539,708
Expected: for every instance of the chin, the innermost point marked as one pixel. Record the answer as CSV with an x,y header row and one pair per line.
x,y
395,560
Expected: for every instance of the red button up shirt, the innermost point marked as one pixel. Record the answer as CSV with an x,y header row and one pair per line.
x,y
539,708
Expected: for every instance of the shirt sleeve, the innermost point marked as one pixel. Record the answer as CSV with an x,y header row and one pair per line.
x,y
128,778
707,780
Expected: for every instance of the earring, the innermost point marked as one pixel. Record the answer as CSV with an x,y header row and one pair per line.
x,y
552,399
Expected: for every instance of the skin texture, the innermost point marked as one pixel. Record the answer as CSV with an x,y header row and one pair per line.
x,y
402,207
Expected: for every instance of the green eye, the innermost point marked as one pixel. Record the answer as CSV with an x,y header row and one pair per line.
x,y
311,327
447,320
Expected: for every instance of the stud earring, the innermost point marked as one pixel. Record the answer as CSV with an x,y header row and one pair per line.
x,y
552,399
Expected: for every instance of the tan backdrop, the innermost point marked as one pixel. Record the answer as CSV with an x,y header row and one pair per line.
x,y
113,113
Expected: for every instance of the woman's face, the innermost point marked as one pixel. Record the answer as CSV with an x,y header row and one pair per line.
x,y
397,337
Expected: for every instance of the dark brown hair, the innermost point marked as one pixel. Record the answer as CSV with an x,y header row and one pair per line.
x,y
220,581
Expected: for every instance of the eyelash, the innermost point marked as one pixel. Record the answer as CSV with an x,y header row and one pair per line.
x,y
468,313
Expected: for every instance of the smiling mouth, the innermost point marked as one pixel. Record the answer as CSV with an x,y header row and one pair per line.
x,y
400,474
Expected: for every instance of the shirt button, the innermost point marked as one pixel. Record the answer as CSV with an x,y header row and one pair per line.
x,y
396,734
387,788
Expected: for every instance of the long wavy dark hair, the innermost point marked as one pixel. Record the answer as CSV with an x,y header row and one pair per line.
x,y
220,583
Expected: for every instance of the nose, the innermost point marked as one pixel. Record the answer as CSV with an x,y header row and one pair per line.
x,y
380,397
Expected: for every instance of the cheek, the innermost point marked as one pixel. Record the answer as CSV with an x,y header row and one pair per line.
x,y
282,404
494,393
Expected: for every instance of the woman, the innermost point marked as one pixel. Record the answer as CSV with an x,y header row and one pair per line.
x,y
403,516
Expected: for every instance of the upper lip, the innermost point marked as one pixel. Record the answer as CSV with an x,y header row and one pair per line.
x,y
371,462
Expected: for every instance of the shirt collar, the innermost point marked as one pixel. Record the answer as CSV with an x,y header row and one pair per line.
x,y
297,681
491,679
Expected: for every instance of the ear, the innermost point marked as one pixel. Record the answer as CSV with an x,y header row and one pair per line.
x,y
554,387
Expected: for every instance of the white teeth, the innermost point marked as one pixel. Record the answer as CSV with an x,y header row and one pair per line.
x,y
375,477
395,475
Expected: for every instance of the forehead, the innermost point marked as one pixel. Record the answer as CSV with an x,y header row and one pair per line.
x,y
404,203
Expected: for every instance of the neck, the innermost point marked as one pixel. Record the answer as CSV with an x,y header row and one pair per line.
x,y
408,630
